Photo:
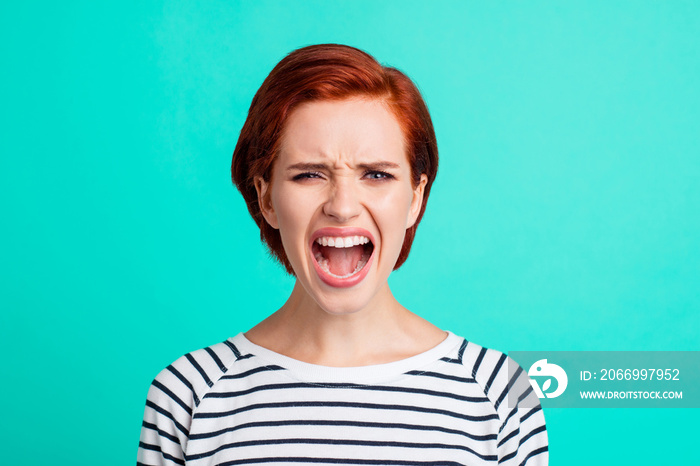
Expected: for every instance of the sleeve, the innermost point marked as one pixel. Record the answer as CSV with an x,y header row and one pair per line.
x,y
167,420
522,437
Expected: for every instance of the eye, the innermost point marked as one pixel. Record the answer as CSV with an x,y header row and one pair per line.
x,y
307,176
378,175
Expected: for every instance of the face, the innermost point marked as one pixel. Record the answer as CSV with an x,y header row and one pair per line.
x,y
342,197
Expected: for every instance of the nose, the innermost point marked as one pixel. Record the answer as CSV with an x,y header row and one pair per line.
x,y
342,203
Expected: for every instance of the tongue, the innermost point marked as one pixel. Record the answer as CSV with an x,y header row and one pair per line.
x,y
342,261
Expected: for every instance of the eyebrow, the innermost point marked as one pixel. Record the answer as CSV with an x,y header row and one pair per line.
x,y
380,165
367,166
307,166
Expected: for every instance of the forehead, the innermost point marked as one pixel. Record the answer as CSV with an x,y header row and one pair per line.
x,y
351,130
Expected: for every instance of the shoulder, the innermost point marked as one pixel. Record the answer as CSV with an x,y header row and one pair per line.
x,y
189,378
491,369
173,398
503,380
522,435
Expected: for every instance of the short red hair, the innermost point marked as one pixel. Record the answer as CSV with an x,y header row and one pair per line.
x,y
328,72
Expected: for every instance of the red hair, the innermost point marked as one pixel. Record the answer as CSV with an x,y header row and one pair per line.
x,y
328,72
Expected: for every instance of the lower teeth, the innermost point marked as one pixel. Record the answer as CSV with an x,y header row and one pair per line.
x,y
326,268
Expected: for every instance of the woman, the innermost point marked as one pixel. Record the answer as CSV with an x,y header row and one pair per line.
x,y
335,162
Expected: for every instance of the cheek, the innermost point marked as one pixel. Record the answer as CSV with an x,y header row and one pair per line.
x,y
294,217
392,215
396,204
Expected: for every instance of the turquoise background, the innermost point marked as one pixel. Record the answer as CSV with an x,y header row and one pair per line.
x,y
564,217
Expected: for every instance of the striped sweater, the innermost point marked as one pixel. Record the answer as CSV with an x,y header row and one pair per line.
x,y
238,403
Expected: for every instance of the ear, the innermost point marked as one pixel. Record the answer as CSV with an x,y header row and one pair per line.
x,y
417,201
264,201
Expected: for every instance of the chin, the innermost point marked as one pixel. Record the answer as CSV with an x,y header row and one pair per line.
x,y
344,300
339,306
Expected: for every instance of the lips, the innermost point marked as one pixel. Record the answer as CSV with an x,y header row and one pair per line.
x,y
342,257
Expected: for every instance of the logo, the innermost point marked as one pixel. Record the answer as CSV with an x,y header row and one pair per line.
x,y
543,368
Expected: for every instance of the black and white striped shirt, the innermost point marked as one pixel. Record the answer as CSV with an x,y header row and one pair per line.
x,y
238,403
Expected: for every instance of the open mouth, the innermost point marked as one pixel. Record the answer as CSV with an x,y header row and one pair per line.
x,y
341,260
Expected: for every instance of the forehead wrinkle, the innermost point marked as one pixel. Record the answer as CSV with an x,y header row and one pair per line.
x,y
338,159
343,160
335,144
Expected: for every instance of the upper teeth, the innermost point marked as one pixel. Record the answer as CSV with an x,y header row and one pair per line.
x,y
342,242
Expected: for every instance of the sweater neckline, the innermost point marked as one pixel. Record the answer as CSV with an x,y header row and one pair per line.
x,y
317,373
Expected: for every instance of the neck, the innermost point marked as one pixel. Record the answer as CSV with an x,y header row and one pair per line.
x,y
382,331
